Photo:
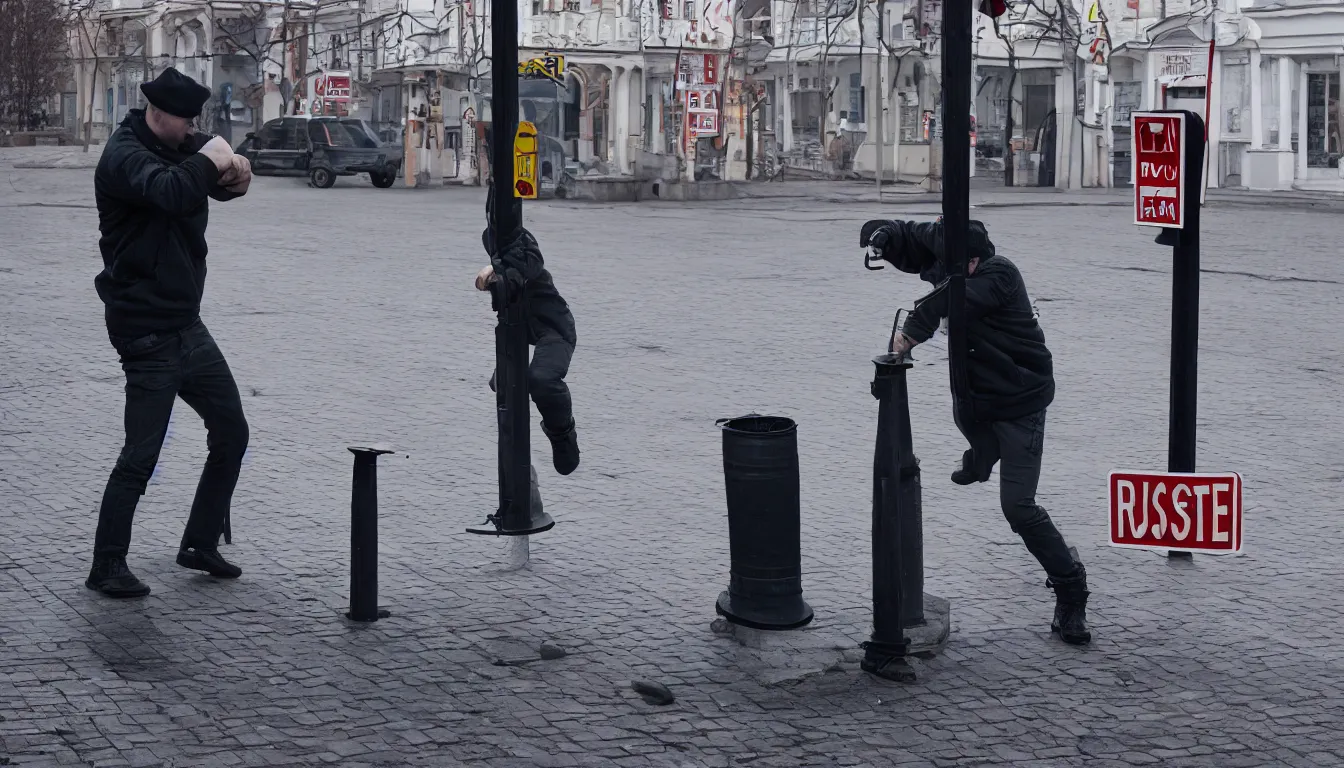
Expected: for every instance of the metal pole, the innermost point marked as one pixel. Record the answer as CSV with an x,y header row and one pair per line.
x,y
885,652
364,536
957,37
1185,314
879,118
519,512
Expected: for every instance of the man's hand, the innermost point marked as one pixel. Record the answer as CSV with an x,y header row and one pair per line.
x,y
485,277
900,343
219,152
238,176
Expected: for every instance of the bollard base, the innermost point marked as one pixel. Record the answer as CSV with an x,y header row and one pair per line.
x,y
382,613
887,666
537,522
776,613
929,638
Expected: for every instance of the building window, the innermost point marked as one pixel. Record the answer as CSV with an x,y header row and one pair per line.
x,y
691,10
1269,100
856,94
1323,134
1236,95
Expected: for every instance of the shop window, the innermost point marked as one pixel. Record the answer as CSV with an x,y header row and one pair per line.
x,y
1323,133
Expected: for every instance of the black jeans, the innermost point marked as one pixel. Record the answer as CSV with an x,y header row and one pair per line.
x,y
546,381
160,368
1019,444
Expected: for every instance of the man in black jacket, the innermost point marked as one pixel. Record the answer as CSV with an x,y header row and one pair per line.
x,y
153,186
550,330
1010,375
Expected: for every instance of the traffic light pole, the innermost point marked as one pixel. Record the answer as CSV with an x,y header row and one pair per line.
x,y
520,510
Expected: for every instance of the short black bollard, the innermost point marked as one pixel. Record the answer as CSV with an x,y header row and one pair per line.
x,y
760,470
364,536
898,562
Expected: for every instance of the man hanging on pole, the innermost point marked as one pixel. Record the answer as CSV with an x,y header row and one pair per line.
x,y
1010,377
550,331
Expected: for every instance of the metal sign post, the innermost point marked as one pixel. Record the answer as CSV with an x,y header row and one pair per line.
x,y
1168,147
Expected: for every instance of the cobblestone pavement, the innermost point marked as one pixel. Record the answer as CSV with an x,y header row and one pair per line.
x,y
348,315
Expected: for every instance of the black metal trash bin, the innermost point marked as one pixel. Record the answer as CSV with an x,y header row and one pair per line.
x,y
760,472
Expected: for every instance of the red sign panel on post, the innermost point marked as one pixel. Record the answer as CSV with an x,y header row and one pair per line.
x,y
1187,512
1159,168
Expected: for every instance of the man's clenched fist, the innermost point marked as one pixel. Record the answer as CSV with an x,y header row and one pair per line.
x,y
485,277
238,176
219,152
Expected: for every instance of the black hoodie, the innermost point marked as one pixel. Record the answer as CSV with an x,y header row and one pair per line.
x,y
152,213
521,265
1009,369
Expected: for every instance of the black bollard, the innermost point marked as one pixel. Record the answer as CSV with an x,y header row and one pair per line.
x,y
898,562
364,536
760,472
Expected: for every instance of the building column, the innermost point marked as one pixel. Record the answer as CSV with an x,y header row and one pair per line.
x,y
1302,122
1150,83
1257,106
620,95
1285,102
784,109
1212,82
205,50
975,89
609,135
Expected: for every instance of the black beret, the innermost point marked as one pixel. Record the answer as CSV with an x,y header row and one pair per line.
x,y
176,94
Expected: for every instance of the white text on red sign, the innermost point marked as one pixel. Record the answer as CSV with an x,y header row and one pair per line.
x,y
1159,168
1190,512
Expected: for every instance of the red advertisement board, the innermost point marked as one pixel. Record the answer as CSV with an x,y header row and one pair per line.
x,y
1159,168
1188,512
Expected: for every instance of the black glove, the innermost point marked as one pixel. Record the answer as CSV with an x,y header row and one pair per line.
x,y
880,238
868,234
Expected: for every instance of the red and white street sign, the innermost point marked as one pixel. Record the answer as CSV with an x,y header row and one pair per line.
x,y
1159,168
1188,512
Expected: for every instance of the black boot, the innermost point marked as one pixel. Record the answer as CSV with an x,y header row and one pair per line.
x,y
1070,621
968,474
208,560
110,576
564,447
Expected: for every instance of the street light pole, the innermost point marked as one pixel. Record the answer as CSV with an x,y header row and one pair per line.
x,y
520,511
957,33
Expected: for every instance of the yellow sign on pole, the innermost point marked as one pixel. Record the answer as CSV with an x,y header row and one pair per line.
x,y
525,161
548,67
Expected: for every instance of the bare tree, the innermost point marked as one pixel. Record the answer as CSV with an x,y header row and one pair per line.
x,y
32,62
1019,27
87,36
